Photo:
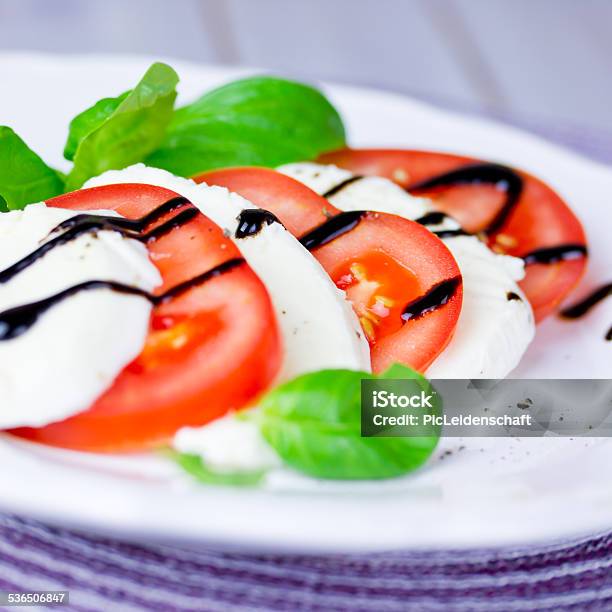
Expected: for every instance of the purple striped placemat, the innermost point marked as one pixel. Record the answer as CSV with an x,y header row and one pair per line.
x,y
107,575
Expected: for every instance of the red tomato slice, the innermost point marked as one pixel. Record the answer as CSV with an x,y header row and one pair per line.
x,y
540,219
384,263
212,349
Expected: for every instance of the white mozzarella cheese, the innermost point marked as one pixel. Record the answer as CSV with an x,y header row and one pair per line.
x,y
496,323
75,350
228,444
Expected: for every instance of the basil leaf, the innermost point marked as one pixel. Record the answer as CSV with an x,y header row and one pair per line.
x,y
262,121
314,424
133,129
194,466
89,120
401,372
24,176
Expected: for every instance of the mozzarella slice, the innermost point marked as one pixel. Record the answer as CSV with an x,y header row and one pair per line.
x,y
228,445
76,349
318,325
366,193
496,322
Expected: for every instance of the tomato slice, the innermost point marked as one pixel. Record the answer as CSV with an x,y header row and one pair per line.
x,y
538,226
212,349
387,265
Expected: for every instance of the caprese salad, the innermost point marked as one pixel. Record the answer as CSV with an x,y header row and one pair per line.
x,y
216,280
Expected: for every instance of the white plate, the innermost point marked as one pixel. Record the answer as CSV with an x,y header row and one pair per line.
x,y
491,492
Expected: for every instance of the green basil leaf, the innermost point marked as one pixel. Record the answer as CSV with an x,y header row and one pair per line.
x,y
262,121
131,131
194,466
24,176
314,424
397,371
89,120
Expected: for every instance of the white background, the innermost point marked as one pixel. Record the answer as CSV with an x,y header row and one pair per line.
x,y
549,61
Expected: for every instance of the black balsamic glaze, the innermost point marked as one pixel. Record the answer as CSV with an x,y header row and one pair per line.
x,y
498,175
512,183
333,228
432,218
437,296
167,226
117,223
88,223
562,252
16,321
344,222
492,174
581,308
450,233
252,220
435,218
340,186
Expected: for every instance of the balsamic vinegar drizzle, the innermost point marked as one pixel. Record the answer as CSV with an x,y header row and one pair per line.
x,y
167,226
502,177
344,222
450,233
512,184
87,223
432,218
581,308
340,186
117,223
492,174
548,255
435,218
331,229
436,297
252,220
16,321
